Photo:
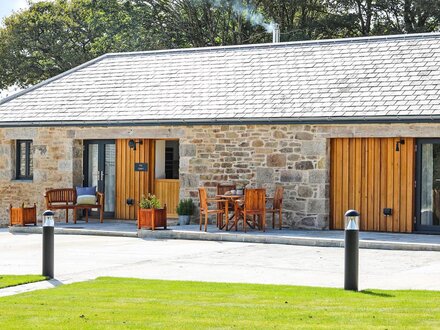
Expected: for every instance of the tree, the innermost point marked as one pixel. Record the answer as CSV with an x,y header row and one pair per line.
x,y
378,17
52,37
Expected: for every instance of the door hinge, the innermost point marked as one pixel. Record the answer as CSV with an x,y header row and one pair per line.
x,y
415,147
415,184
415,220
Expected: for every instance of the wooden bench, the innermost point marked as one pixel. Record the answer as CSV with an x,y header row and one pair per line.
x,y
61,199
65,199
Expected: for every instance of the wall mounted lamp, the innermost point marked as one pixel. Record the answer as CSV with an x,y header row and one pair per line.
x,y
398,143
132,143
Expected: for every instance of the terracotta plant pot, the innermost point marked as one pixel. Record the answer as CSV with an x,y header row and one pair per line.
x,y
152,218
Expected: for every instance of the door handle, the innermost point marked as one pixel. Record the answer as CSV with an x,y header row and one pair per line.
x,y
101,177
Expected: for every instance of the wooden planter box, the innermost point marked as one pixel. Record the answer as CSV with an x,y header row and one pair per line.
x,y
152,218
22,215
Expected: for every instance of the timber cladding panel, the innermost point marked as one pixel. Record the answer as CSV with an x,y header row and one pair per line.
x,y
130,183
368,174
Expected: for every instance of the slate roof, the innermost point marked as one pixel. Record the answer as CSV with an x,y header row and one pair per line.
x,y
395,78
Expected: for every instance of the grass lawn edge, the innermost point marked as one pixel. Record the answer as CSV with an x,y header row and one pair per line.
x,y
8,281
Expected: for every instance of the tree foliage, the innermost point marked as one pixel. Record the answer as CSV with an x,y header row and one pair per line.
x,y
51,37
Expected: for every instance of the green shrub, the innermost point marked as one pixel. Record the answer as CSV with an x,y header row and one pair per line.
x,y
149,202
185,207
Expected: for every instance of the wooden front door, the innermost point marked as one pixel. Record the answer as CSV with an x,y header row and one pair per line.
x,y
370,175
131,182
146,166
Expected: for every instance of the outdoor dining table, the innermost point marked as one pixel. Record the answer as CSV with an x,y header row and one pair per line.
x,y
231,198
228,198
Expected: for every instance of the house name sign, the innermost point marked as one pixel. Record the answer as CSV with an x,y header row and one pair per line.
x,y
141,167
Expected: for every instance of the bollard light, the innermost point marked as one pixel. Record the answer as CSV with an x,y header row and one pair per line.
x,y
48,243
48,219
351,277
352,220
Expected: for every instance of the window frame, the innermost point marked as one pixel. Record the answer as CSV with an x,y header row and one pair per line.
x,y
28,154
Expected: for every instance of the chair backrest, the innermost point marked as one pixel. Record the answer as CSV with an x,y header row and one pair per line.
x,y
61,195
203,198
278,197
224,188
255,199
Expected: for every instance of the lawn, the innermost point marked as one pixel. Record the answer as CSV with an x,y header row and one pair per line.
x,y
133,303
13,280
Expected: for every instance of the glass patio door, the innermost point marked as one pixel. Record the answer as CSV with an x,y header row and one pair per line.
x,y
100,170
428,185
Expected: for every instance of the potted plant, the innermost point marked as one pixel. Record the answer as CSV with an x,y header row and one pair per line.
x,y
151,214
185,210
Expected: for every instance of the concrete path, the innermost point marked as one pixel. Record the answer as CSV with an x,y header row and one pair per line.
x,y
29,287
81,258
324,238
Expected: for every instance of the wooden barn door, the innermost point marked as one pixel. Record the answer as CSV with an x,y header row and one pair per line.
x,y
167,167
131,183
369,175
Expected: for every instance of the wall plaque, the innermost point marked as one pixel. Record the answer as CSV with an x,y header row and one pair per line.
x,y
141,167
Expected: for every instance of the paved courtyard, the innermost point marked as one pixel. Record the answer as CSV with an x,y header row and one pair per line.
x,y
80,258
323,238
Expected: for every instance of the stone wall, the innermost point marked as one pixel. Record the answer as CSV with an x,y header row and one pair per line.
x,y
295,156
54,162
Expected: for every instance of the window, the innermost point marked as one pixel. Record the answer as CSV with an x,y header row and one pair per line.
x,y
167,159
24,165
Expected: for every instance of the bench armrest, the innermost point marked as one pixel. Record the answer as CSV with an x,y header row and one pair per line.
x,y
46,198
100,198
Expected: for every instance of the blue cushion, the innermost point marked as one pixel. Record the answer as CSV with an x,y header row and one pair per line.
x,y
85,191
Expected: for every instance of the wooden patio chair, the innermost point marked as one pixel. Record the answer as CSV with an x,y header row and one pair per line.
x,y
100,201
221,190
254,205
204,210
277,206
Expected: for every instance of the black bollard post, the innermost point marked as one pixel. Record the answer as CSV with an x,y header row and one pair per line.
x,y
48,244
351,278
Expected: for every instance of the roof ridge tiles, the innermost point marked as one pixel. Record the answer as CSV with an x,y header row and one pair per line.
x,y
369,39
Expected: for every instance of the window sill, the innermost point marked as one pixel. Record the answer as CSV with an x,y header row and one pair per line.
x,y
22,180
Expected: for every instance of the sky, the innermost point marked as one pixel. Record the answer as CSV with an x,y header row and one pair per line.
x,y
8,6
